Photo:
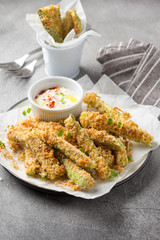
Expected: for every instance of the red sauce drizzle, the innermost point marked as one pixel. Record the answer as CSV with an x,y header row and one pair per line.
x,y
43,91
51,104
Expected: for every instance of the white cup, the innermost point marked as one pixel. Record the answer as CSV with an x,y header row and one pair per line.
x,y
62,61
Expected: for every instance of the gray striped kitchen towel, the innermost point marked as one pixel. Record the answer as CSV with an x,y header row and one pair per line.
x,y
135,67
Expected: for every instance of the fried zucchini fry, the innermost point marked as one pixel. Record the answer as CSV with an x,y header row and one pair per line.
x,y
121,158
76,21
67,23
52,139
70,21
48,132
78,175
103,122
51,19
106,154
32,166
50,167
88,146
102,137
119,116
105,139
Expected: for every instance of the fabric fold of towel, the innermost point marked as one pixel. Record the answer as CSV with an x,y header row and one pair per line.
x,y
135,67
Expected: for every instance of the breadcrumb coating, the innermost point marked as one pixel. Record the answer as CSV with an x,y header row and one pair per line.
x,y
107,155
102,122
52,139
50,166
94,101
112,142
75,173
88,146
106,139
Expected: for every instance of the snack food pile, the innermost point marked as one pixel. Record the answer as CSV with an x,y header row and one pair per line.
x,y
97,146
56,26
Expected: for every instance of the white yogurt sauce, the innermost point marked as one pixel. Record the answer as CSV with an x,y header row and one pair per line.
x,y
56,98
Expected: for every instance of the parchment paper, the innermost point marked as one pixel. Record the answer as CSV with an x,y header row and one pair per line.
x,y
144,116
71,38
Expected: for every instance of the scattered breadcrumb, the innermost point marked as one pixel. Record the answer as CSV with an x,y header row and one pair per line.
x,y
14,164
7,155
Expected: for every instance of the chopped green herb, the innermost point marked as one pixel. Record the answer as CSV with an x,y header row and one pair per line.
x,y
57,93
24,113
110,121
130,159
61,132
62,101
1,143
114,173
8,126
28,110
62,94
68,135
119,124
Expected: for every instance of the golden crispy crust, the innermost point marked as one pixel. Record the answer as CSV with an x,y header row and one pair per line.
x,y
50,167
107,155
87,146
102,122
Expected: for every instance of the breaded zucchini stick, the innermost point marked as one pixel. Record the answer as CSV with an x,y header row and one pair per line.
x,y
48,132
67,23
76,21
88,146
93,100
51,20
106,154
52,139
78,175
103,138
70,21
50,167
121,158
103,122
29,123
32,166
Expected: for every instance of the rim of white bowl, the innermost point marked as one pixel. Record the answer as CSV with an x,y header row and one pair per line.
x,y
55,78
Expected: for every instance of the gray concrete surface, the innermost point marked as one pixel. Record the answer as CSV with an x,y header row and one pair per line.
x,y
131,211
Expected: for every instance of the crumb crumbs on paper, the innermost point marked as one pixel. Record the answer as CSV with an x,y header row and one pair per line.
x,y
21,156
58,182
15,146
67,183
14,164
7,155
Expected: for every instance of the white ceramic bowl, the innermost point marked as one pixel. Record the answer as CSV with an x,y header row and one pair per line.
x,y
55,114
